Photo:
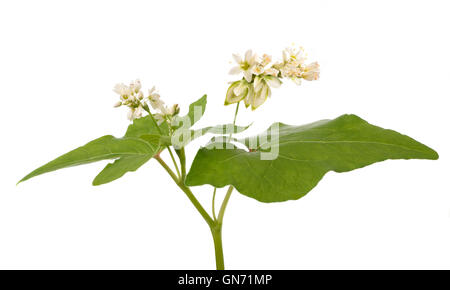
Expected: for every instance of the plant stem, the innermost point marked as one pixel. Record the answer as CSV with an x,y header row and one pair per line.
x,y
234,120
174,161
188,193
182,155
214,224
218,249
224,205
146,108
213,204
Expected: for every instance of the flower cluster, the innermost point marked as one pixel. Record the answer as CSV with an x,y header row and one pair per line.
x,y
132,97
260,75
164,113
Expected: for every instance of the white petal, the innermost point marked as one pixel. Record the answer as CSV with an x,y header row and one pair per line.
x,y
314,66
235,70
297,81
259,99
248,75
310,76
248,55
231,98
250,95
237,58
274,82
239,89
258,83
285,56
130,114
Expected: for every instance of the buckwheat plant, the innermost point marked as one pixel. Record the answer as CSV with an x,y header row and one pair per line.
x,y
282,163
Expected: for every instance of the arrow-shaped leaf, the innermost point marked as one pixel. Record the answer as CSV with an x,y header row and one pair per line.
x,y
106,147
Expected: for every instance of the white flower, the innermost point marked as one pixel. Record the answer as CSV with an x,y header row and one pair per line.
x,y
117,104
159,118
134,113
262,90
261,75
265,59
122,90
258,69
271,71
290,54
246,66
272,81
291,70
155,99
174,110
135,86
311,72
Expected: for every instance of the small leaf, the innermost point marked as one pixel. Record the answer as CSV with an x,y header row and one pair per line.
x,y
305,155
145,126
196,111
106,147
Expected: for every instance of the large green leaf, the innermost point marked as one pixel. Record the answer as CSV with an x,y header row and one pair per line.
x,y
106,147
305,154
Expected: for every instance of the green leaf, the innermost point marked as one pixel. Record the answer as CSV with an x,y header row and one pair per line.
x,y
196,111
119,167
305,155
145,126
106,147
183,137
139,128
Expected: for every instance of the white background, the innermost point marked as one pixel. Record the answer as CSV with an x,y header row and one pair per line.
x,y
386,61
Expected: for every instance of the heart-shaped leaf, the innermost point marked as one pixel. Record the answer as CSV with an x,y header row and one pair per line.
x,y
304,155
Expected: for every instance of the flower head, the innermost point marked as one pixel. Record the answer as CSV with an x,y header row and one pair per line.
x,y
260,75
132,97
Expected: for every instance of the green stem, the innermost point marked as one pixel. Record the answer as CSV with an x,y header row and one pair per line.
x,y
214,224
217,232
213,204
188,193
146,108
224,205
182,156
234,120
174,162
218,249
